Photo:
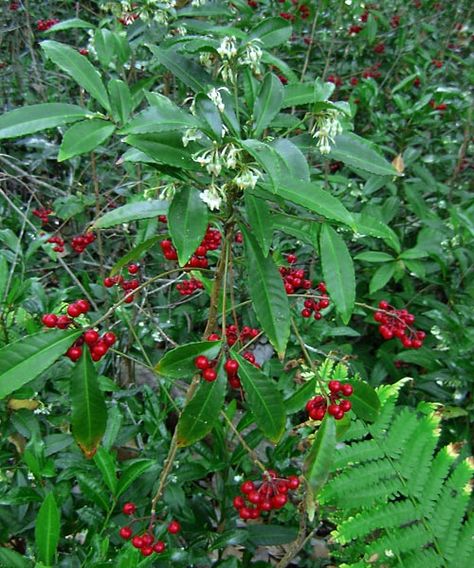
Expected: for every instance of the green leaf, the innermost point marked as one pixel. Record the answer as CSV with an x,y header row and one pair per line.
x,y
134,254
131,473
79,68
271,535
266,157
23,360
355,151
307,93
132,212
162,116
374,256
209,114
302,229
263,398
258,215
84,137
187,221
168,150
381,276
31,119
104,460
267,293
11,559
47,530
120,100
179,362
297,401
319,459
368,225
338,271
271,32
202,412
364,400
88,408
293,159
93,490
71,24
268,103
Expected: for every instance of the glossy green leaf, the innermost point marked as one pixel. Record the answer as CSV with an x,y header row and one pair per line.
x,y
268,103
105,461
33,118
23,360
93,490
11,559
271,535
374,256
120,100
267,293
209,114
367,225
272,32
188,218
71,24
88,408
364,400
47,529
305,230
297,401
381,276
131,473
258,215
79,68
266,157
263,398
320,457
338,271
162,116
132,212
295,163
84,137
134,254
179,362
167,150
306,93
202,412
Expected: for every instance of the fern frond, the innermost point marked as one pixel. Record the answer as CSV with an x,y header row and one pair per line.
x,y
427,557
357,431
401,541
439,470
401,430
465,547
340,372
368,450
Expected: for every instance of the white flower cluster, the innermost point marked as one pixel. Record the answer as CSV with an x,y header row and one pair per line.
x,y
228,52
215,158
168,191
252,56
216,97
247,177
326,128
213,196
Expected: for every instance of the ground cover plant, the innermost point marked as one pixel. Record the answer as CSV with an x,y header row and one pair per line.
x,y
236,284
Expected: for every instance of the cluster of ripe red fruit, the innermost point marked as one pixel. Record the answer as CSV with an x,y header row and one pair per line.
x,y
314,306
434,106
58,241
145,542
246,334
43,214
294,278
43,25
338,406
397,323
188,287
271,494
127,285
79,243
14,6
211,241
231,367
206,367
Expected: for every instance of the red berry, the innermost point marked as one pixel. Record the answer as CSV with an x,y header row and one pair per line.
x,y
74,353
339,414
209,375
247,487
201,362
147,539
334,409
266,505
146,550
345,405
254,497
254,513
416,343
83,305
406,342
383,305
159,547
231,366
306,313
100,348
234,382
129,298
137,541
317,316
278,501
334,386
317,413
293,482
91,336
213,337
50,320
244,513
129,508
133,269
238,502
125,533
347,389
174,527
109,338
74,310
63,322
109,282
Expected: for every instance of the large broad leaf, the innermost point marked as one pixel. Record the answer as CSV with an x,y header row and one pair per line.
x,y
338,271
84,137
31,119
202,411
120,100
271,32
179,362
167,149
132,212
258,215
11,559
311,196
79,68
319,459
71,24
187,71
364,400
381,276
187,221
47,530
268,103
88,408
264,399
293,159
267,293
355,151
162,116
23,360
131,473
306,93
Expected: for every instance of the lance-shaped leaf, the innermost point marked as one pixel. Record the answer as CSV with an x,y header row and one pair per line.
x,y
202,411
320,457
71,24
268,103
88,408
207,111
84,137
267,158
33,118
263,398
79,68
163,115
132,212
179,362
47,530
13,559
258,214
131,473
105,461
305,230
187,221
272,32
162,149
134,254
120,100
338,271
364,400
23,360
267,293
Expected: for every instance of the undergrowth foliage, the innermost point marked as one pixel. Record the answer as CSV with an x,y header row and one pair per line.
x,y
235,284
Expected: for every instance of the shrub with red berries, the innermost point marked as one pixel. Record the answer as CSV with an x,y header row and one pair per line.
x,y
399,324
44,25
336,403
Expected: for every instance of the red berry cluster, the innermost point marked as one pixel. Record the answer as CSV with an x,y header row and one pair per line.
x,y
338,406
379,48
81,242
246,334
43,25
58,241
294,278
14,6
334,79
355,29
271,494
206,367
395,21
231,367
145,541
397,323
188,287
316,306
372,71
252,3
211,241
437,63
43,214
434,106
127,285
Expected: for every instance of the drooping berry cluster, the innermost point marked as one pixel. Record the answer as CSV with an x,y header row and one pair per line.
x,y
43,25
231,367
246,334
337,407
43,214
146,541
398,323
211,241
294,278
188,287
58,241
79,243
315,306
206,367
272,493
128,286
372,72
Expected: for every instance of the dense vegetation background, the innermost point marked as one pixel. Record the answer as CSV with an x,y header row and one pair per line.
x,y
282,184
